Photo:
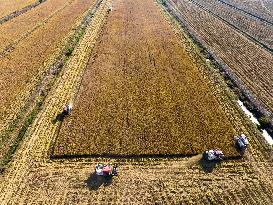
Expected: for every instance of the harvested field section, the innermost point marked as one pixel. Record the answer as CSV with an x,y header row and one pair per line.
x,y
159,182
9,6
22,69
258,29
249,63
142,94
260,8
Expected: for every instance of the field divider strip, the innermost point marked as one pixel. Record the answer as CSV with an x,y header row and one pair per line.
x,y
34,149
20,11
5,51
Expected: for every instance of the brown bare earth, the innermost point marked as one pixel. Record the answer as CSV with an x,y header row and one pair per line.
x,y
141,94
33,178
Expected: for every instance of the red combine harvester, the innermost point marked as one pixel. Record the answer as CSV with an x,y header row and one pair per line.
x,y
106,170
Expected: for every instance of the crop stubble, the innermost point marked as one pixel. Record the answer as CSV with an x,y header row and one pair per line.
x,y
259,8
247,61
258,29
143,95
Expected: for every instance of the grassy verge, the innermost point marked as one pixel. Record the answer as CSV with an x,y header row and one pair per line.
x,y
21,134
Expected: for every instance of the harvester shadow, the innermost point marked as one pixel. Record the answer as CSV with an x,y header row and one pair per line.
x,y
208,166
94,182
60,117
239,150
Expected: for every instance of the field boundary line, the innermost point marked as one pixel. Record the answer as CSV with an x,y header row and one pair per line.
x,y
21,11
5,51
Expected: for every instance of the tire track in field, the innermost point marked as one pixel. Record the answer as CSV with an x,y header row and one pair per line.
x,y
39,136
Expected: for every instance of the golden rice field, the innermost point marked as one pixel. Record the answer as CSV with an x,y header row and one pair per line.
x,y
141,94
22,67
144,97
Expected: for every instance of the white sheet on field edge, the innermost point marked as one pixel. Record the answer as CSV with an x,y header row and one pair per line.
x,y
253,119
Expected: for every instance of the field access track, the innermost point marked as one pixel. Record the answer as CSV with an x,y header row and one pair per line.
x,y
142,94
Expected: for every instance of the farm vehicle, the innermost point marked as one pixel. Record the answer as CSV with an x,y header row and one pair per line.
x,y
241,142
67,109
213,154
106,170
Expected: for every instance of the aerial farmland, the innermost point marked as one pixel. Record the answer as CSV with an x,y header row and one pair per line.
x,y
136,102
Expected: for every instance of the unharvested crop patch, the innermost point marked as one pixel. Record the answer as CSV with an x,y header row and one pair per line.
x,y
142,94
